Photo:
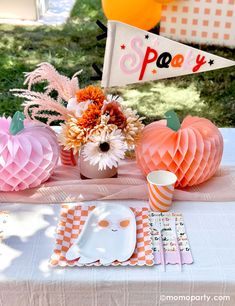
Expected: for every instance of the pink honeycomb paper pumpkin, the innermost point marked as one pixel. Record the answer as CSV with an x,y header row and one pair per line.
x,y
192,151
27,158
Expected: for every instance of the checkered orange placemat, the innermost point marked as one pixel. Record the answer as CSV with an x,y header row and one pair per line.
x,y
72,219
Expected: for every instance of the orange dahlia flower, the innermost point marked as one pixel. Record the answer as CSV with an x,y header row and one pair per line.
x,y
91,117
93,93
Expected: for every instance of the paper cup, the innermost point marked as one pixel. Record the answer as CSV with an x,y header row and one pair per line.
x,y
161,185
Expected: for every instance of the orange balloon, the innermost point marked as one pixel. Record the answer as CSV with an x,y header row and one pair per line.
x,y
164,1
143,14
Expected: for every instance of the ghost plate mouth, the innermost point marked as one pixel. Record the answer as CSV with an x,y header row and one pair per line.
x,y
114,230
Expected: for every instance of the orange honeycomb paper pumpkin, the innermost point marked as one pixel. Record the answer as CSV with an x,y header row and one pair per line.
x,y
192,151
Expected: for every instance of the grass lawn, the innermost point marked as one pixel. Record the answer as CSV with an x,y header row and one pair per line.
x,y
73,47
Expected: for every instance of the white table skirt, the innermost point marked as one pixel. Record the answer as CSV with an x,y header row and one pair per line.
x,y
26,278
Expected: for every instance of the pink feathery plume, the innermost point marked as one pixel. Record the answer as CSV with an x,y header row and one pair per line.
x,y
65,86
41,106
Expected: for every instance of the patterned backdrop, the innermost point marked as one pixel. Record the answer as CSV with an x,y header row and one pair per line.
x,y
200,21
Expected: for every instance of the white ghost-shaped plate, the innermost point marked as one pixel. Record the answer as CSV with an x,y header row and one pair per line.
x,y
109,234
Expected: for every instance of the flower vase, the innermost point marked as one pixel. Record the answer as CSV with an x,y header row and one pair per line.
x,y
88,171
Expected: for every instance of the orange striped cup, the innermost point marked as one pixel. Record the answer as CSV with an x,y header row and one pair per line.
x,y
67,157
161,185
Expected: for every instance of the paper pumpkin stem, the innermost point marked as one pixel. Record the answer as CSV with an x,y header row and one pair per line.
x,y
17,123
172,121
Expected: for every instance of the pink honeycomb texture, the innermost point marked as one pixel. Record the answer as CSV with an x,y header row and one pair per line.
x,y
28,158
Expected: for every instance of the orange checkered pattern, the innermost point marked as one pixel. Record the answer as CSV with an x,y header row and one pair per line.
x,y
200,21
72,219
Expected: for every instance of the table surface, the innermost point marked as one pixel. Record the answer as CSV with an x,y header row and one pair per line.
x,y
27,279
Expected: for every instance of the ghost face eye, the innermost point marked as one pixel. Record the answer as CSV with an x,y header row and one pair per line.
x,y
104,223
124,223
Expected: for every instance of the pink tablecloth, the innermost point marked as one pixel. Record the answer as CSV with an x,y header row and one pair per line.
x,y
66,186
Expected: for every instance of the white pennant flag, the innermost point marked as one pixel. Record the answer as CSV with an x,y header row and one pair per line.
x,y
133,55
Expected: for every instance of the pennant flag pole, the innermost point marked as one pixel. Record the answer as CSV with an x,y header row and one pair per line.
x,y
133,55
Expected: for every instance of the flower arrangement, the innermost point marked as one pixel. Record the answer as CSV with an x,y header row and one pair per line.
x,y
94,124
101,126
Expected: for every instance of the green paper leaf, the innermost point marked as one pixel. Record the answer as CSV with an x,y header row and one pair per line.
x,y
17,123
172,120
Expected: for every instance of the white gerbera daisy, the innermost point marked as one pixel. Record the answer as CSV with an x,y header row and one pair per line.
x,y
105,149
